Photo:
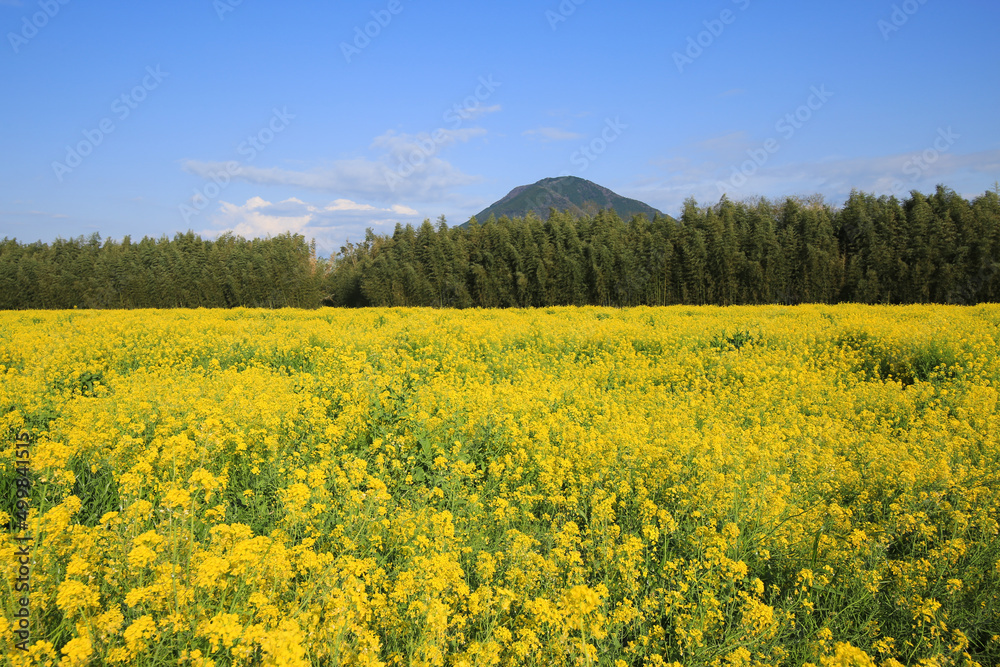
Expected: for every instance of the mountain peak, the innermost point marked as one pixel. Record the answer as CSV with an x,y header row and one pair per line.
x,y
577,195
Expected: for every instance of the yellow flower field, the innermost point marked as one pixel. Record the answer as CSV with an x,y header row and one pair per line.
x,y
573,486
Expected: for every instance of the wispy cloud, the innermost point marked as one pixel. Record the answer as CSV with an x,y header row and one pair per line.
x,y
694,175
35,213
430,178
726,145
891,174
45,214
547,134
473,112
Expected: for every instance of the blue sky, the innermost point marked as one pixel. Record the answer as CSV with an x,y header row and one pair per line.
x,y
326,118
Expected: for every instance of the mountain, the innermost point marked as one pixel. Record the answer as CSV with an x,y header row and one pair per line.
x,y
578,195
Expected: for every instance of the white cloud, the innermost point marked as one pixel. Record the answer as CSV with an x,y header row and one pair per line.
x,y
348,205
259,218
328,224
407,166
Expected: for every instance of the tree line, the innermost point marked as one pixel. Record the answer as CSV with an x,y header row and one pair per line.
x,y
939,248
184,272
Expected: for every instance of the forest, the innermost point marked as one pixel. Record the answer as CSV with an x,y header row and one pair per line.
x,y
938,248
184,272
